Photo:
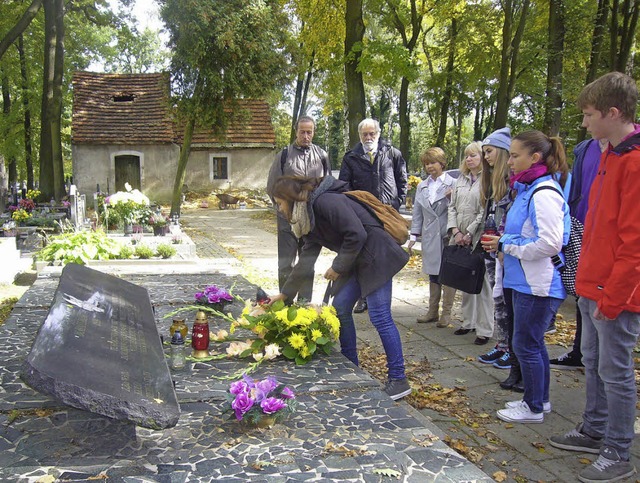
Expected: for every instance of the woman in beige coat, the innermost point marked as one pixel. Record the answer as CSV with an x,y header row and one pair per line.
x,y
465,227
429,221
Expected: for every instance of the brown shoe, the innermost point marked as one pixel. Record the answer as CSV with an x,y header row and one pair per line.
x,y
423,319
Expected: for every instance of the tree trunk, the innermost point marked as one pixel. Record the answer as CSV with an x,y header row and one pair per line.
x,y
553,99
20,27
28,148
176,200
183,160
297,100
613,36
409,43
448,90
354,34
630,11
509,58
3,185
47,183
300,101
12,168
599,29
56,105
404,118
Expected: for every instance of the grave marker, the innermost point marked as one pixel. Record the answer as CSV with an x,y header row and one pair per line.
x,y
99,350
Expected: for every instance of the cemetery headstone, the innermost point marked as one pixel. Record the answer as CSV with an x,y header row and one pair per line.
x,y
78,202
99,350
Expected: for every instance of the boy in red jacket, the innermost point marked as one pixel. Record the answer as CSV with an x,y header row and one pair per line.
x,y
608,282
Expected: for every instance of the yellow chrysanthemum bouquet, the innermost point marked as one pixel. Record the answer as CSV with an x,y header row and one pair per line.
x,y
299,332
413,182
295,332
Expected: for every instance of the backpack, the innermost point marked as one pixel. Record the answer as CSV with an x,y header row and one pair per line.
x,y
392,221
571,250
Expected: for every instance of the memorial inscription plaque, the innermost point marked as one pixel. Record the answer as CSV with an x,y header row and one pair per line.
x,y
99,350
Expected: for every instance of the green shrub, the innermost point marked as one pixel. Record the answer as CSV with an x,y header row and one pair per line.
x,y
125,252
165,251
79,247
41,222
143,251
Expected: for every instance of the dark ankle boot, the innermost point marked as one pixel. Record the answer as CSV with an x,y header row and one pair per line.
x,y
514,377
518,386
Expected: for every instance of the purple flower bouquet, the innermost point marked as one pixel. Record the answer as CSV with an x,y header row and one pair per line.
x,y
260,403
213,297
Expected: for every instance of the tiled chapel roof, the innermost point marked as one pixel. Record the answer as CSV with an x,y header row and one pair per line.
x,y
135,109
121,108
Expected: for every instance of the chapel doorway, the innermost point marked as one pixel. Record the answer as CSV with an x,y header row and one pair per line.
x,y
127,168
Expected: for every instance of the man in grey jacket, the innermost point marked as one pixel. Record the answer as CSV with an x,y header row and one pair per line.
x,y
302,158
375,166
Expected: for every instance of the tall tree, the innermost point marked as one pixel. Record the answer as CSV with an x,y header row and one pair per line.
x,y
20,26
28,157
302,91
515,17
555,49
51,163
137,52
222,51
448,90
409,27
597,39
597,42
12,174
354,36
624,20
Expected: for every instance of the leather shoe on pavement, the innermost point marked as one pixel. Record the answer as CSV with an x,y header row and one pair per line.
x,y
361,306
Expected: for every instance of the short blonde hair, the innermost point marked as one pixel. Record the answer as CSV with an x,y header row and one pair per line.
x,y
473,147
434,154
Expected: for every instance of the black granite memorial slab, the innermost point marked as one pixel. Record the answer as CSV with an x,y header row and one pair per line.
x,y
99,350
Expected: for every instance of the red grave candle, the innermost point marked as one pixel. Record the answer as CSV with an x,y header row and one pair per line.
x,y
200,336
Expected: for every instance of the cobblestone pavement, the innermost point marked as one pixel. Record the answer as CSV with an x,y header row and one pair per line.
x,y
345,428
517,453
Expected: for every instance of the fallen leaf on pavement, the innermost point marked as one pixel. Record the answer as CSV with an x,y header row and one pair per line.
x,y
500,476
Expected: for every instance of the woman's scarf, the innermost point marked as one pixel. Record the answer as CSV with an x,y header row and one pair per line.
x,y
529,175
300,222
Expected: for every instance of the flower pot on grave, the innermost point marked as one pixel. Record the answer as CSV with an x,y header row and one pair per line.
x,y
128,229
160,230
264,422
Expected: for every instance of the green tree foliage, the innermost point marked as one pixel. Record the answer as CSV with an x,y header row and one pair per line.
x,y
136,52
221,51
88,29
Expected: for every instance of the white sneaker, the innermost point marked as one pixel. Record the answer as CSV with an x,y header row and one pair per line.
x,y
520,414
546,406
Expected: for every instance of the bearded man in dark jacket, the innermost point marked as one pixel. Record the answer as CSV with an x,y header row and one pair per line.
x,y
375,166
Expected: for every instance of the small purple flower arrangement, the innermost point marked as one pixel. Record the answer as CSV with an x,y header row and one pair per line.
x,y
214,297
261,403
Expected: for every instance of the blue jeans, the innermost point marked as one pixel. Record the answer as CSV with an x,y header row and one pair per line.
x,y
531,317
379,303
607,354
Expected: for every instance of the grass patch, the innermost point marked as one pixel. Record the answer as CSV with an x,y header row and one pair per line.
x,y
6,306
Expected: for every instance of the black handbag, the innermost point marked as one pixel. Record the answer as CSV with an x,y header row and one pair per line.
x,y
462,269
